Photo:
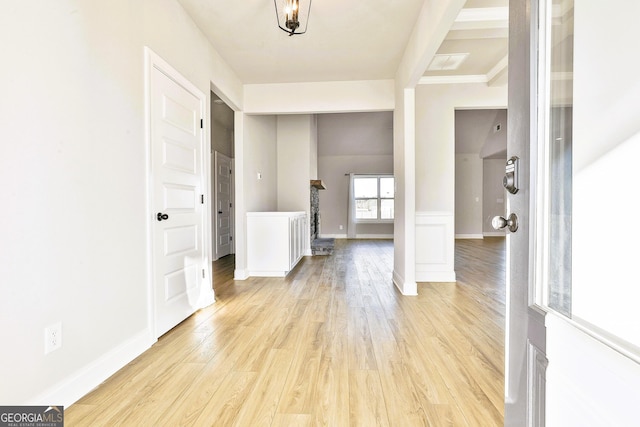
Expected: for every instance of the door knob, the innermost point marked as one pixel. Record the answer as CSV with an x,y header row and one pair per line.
x,y
162,216
499,222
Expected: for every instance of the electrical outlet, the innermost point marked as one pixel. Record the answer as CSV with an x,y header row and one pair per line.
x,y
52,337
341,227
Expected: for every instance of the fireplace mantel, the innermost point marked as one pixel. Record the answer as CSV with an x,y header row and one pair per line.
x,y
317,183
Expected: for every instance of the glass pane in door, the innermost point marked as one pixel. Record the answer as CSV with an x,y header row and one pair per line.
x,y
558,141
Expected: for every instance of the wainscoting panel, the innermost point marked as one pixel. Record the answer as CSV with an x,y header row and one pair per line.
x,y
435,247
536,379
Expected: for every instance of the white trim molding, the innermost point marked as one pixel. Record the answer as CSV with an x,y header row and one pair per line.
x,y
240,274
77,385
406,289
358,236
456,79
332,236
469,236
435,239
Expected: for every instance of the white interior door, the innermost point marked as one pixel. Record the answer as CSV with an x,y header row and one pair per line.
x,y
177,181
223,203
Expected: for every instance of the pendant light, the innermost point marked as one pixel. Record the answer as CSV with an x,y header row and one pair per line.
x,y
293,15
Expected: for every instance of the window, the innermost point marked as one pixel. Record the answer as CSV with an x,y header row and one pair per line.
x,y
374,198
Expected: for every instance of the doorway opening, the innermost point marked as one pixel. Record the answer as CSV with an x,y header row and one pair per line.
x,y
222,186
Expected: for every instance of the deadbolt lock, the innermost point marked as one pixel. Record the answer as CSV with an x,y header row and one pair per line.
x,y
510,180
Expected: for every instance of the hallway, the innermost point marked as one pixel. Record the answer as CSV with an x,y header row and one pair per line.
x,y
334,344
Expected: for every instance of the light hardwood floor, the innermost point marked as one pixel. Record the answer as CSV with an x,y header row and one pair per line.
x,y
333,344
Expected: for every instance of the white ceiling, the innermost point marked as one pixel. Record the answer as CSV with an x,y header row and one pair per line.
x,y
346,40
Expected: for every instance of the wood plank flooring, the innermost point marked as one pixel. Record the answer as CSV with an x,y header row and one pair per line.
x,y
332,344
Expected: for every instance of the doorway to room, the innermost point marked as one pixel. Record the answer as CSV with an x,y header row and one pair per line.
x,y
222,184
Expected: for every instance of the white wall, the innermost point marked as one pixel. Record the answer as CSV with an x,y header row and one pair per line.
x,y
319,97
73,168
260,140
256,145
313,149
293,148
294,141
432,24
435,140
587,381
435,170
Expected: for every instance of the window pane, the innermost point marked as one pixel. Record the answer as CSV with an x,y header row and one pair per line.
x,y
365,187
386,209
559,139
367,209
386,188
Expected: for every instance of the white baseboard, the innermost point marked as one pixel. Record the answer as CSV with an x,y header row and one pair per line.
x,y
240,275
268,273
374,236
332,236
436,276
406,289
359,236
71,389
469,236
494,234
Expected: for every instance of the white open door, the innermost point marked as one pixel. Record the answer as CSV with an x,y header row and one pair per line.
x,y
525,341
177,179
573,327
223,205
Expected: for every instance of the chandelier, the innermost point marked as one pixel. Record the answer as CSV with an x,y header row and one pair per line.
x,y
293,15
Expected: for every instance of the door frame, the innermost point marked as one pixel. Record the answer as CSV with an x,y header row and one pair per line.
x,y
151,61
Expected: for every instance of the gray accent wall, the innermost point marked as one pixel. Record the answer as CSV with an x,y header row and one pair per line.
x,y
221,127
494,196
351,143
480,146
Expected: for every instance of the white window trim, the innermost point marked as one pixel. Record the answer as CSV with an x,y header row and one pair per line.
x,y
379,199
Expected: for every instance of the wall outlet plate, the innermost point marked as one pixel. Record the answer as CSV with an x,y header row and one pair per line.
x,y
52,337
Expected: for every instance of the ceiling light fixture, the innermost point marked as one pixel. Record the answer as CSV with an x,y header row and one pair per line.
x,y
292,15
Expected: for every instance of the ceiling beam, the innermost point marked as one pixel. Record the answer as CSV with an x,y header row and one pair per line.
x,y
496,74
430,29
482,18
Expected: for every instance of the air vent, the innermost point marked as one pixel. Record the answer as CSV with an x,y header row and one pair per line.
x,y
447,61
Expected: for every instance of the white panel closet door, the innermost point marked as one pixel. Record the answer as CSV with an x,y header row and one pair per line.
x,y
176,163
223,205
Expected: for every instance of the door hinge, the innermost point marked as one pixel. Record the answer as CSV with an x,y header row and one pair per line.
x,y
201,124
202,199
231,238
230,205
203,273
230,171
